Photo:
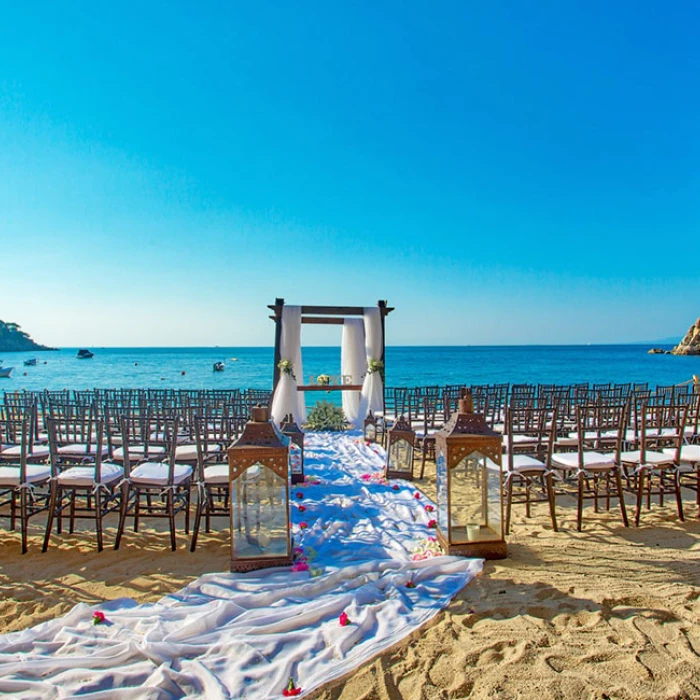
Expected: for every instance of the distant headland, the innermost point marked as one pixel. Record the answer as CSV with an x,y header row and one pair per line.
x,y
14,339
690,345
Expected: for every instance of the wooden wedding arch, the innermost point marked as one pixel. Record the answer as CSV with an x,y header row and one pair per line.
x,y
323,316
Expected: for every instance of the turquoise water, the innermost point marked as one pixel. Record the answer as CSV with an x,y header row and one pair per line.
x,y
405,366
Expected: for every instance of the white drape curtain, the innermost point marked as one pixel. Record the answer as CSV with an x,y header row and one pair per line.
x,y
353,363
287,400
372,388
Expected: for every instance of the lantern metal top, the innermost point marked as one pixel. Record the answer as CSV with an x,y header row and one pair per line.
x,y
260,441
259,431
401,425
289,427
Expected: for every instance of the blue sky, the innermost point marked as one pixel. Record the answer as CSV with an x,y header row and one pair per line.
x,y
502,173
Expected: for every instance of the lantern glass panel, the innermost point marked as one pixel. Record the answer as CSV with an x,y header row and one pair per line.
x,y
401,456
443,517
295,459
475,500
370,432
259,514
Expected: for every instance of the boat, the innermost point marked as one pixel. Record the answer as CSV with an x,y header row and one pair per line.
x,y
219,366
5,372
31,362
85,354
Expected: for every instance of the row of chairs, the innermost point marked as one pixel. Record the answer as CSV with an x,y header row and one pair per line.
x,y
73,460
649,448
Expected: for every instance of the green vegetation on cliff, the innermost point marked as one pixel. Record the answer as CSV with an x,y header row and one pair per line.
x,y
14,339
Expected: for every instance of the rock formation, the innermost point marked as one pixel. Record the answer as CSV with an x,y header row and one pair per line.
x,y
690,345
14,339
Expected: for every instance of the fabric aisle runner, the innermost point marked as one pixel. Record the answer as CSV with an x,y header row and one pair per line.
x,y
243,635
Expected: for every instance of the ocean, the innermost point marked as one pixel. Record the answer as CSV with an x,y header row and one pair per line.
x,y
192,368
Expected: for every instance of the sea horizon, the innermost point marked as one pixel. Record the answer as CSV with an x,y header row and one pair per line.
x,y
191,367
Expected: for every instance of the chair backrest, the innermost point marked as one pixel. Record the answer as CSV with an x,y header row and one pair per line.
x,y
76,442
530,430
17,432
660,424
601,426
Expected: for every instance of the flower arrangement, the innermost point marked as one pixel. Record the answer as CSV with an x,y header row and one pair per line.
x,y
323,380
326,416
375,366
286,367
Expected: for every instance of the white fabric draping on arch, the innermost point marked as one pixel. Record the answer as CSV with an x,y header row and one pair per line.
x,y
353,364
287,400
372,387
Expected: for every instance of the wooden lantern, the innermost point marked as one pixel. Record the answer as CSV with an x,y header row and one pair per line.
x,y
400,449
369,428
469,486
259,478
296,448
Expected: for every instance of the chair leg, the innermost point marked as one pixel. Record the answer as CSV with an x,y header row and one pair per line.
x,y
621,497
24,518
679,500
188,503
197,518
98,519
123,507
509,500
171,519
528,485
137,509
640,496
579,511
53,499
549,487
71,522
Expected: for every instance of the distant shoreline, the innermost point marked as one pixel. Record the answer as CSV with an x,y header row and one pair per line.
x,y
270,347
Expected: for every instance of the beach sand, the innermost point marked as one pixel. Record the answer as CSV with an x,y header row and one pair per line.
x,y
606,613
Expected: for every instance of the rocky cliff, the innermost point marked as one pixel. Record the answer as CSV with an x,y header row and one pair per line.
x,y
690,345
13,339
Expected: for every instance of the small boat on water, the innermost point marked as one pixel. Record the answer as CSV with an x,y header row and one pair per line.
x,y
85,354
31,362
5,372
219,366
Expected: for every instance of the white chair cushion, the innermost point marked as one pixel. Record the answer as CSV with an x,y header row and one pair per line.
x,y
156,473
189,452
591,460
655,458
9,474
136,452
431,431
180,438
85,476
81,450
38,451
216,474
525,463
689,453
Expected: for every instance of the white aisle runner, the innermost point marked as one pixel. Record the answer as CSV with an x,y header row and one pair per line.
x,y
369,553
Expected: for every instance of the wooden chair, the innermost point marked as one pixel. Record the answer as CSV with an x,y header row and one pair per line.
x,y
598,425
528,441
213,434
155,489
23,485
83,483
